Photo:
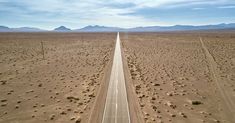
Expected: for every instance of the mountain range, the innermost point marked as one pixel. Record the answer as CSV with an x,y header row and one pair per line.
x,y
98,28
21,29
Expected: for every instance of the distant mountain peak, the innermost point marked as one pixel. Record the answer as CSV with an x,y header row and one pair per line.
x,y
62,28
4,27
98,28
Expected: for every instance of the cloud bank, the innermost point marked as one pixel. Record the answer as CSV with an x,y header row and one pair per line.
x,y
122,13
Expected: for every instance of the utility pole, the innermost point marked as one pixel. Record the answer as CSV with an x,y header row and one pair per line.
x,y
42,50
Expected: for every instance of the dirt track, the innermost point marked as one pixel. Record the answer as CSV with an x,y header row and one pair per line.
x,y
226,97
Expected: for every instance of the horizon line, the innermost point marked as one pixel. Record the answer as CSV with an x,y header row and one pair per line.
x,y
116,26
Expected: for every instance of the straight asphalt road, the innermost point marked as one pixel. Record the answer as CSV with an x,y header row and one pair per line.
x,y
116,106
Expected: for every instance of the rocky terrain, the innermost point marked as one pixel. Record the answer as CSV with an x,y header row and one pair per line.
x,y
182,77
59,88
178,77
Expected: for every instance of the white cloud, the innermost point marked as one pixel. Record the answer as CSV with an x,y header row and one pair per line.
x,y
198,8
226,7
177,3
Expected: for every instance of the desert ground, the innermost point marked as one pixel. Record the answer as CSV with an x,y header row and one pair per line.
x,y
182,77
171,77
60,88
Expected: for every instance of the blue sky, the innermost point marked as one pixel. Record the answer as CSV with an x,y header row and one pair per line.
x,y
48,14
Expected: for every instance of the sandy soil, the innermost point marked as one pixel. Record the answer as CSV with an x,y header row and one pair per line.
x,y
178,78
60,88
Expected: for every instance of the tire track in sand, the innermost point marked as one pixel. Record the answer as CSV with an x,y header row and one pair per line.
x,y
226,98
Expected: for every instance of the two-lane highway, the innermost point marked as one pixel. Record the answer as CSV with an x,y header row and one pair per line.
x,y
116,106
